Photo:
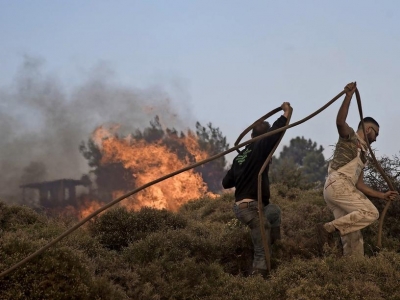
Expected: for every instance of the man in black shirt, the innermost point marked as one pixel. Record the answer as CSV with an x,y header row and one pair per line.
x,y
243,175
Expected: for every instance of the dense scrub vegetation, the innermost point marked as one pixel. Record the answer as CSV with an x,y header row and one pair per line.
x,y
200,252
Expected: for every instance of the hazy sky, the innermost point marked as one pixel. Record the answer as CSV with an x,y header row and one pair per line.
x,y
70,65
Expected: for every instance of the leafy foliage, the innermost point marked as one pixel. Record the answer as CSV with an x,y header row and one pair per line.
x,y
372,177
390,166
62,272
213,142
118,227
13,218
301,164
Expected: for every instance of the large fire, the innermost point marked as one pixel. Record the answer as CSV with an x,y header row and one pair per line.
x,y
149,161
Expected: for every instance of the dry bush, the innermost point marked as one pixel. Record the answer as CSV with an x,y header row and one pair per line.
x,y
13,217
201,252
343,278
209,209
62,272
117,228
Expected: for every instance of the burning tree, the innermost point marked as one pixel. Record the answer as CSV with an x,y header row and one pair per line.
x,y
122,163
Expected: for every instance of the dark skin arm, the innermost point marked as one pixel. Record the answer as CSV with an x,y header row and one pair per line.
x,y
286,109
342,127
366,190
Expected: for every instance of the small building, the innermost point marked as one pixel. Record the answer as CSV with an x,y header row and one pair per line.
x,y
56,193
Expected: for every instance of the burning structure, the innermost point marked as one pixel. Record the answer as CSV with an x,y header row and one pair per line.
x,y
56,193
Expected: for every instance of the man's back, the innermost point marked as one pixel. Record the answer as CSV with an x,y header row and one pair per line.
x,y
243,174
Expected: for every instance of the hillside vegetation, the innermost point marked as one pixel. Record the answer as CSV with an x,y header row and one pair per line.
x,y
200,252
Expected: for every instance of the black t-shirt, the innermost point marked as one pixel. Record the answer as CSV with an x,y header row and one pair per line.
x,y
243,174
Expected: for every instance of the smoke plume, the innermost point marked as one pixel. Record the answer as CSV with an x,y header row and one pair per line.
x,y
42,123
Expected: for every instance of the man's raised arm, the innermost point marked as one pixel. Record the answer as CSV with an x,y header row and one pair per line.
x,y
343,128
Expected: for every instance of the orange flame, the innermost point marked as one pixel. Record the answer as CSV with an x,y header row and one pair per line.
x,y
151,161
88,206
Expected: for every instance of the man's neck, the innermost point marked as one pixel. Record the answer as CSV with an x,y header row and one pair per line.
x,y
360,134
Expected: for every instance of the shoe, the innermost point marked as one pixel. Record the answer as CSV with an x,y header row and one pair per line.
x,y
323,236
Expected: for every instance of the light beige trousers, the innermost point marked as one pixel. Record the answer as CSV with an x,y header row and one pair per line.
x,y
352,211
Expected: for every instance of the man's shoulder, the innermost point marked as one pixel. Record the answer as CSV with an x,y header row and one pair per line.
x,y
352,137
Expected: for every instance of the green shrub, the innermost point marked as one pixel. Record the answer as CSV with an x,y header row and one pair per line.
x,y
189,279
14,217
150,220
209,209
113,228
118,227
58,273
232,248
201,252
338,278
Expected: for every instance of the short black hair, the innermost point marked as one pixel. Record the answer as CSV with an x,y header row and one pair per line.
x,y
260,128
368,120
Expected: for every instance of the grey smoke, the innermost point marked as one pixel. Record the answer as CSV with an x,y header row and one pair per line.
x,y
42,122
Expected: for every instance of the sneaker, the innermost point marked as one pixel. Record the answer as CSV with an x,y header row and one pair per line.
x,y
323,236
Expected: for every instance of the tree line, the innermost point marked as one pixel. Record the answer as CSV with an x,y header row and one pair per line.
x,y
300,164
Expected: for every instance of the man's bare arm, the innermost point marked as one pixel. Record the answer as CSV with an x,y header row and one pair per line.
x,y
366,190
342,127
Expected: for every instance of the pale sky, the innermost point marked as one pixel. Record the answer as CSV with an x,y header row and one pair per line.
x,y
225,62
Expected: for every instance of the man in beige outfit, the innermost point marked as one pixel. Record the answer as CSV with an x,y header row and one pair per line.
x,y
345,192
